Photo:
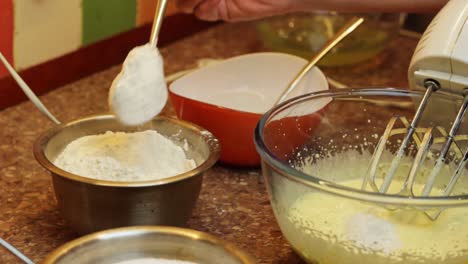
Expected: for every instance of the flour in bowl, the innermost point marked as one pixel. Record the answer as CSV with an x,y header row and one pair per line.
x,y
120,156
154,261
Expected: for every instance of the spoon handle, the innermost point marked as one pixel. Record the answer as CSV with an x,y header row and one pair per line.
x,y
15,251
29,93
158,18
344,31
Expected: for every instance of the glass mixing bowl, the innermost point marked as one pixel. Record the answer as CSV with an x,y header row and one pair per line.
x,y
315,151
303,34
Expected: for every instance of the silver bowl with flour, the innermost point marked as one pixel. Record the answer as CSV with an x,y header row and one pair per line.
x,y
90,204
149,244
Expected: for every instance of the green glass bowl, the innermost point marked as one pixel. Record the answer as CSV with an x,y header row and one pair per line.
x,y
304,34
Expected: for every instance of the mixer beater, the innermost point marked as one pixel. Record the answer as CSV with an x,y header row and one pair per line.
x,y
412,131
439,64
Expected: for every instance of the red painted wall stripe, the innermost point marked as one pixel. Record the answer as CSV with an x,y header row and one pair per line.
x,y
6,32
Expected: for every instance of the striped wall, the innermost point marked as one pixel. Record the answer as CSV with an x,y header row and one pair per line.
x,y
35,31
44,30
6,31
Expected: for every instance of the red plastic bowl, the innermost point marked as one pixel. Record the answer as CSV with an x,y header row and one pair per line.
x,y
229,98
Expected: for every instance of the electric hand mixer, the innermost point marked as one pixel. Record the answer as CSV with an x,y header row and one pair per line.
x,y
439,65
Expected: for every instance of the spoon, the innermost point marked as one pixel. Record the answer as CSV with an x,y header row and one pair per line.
x,y
27,90
344,31
15,251
158,18
37,102
139,91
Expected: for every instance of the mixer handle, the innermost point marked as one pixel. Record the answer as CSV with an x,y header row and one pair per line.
x,y
442,53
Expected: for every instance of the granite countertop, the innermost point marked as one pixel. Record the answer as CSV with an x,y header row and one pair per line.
x,y
233,203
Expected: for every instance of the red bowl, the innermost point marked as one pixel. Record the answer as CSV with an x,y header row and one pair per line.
x,y
237,147
229,98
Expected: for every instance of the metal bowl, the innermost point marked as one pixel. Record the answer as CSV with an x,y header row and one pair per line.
x,y
128,243
90,205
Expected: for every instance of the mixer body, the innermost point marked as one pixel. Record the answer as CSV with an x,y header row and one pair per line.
x,y
442,56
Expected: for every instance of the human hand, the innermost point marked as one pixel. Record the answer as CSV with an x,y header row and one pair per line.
x,y
235,10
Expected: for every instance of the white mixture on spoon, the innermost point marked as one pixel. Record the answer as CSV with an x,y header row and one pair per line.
x,y
139,92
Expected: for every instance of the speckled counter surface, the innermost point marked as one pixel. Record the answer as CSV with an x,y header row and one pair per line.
x,y
233,203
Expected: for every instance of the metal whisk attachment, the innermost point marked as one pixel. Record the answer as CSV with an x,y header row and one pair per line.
x,y
439,58
423,139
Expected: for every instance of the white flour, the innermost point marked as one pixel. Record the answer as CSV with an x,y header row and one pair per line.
x,y
120,156
154,261
139,92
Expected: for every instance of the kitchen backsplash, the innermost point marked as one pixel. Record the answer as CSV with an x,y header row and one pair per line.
x,y
35,31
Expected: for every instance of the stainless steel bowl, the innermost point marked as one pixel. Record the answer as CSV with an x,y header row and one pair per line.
x,y
128,243
90,205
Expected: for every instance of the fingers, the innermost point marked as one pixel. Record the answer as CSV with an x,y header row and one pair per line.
x,y
188,6
209,10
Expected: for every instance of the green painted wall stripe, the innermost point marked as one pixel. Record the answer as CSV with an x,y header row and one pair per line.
x,y
105,18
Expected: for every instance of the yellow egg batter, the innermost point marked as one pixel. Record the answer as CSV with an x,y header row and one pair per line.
x,y
334,230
